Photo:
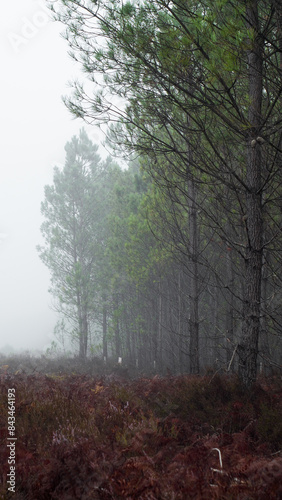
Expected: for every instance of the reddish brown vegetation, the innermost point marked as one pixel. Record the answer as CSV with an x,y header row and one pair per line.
x,y
161,438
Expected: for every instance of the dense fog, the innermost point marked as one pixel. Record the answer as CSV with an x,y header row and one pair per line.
x,y
35,126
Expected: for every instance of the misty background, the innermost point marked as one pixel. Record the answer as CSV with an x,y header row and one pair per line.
x,y
35,127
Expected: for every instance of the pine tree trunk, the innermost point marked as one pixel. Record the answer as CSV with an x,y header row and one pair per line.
x,y
83,331
248,348
160,330
105,344
117,338
230,309
264,341
179,325
194,288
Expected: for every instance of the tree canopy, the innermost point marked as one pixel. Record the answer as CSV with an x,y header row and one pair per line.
x,y
195,89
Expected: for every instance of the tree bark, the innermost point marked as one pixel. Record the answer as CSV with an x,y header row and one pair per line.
x,y
83,330
105,344
248,348
194,286
160,330
117,338
230,308
179,325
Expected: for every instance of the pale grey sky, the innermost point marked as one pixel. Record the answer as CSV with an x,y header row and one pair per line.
x,y
35,126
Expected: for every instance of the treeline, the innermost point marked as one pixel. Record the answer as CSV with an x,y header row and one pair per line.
x,y
194,90
123,272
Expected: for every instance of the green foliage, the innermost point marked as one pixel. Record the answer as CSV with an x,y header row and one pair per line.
x,y
190,87
75,232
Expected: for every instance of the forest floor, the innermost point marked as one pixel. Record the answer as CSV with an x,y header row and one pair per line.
x,y
109,438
